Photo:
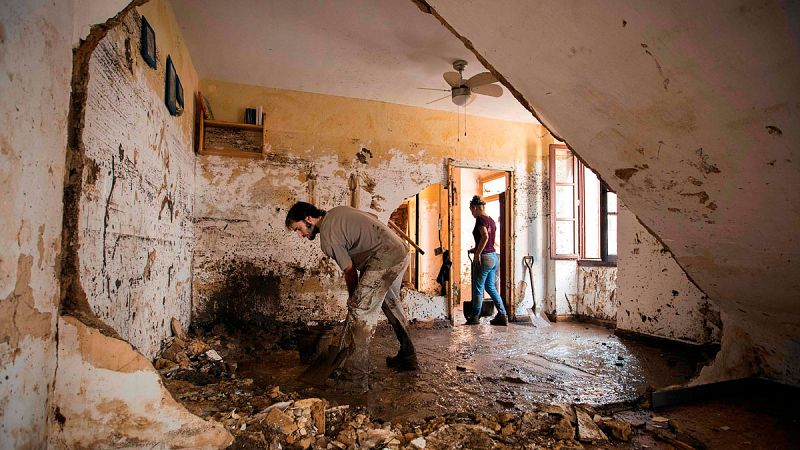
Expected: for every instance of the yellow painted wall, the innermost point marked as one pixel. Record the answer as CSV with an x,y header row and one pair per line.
x,y
304,123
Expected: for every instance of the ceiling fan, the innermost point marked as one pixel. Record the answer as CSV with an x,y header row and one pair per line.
x,y
462,91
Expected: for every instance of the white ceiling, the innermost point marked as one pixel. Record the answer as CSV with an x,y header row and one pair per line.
x,y
370,49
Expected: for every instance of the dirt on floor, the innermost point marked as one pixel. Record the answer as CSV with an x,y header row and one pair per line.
x,y
567,386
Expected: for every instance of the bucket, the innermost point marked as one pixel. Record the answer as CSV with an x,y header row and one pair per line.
x,y
487,308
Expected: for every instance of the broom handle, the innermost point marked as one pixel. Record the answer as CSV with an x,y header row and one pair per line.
x,y
404,236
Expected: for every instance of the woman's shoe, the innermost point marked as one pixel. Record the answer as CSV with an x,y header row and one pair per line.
x,y
473,321
499,319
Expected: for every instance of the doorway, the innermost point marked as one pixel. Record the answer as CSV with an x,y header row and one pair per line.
x,y
493,185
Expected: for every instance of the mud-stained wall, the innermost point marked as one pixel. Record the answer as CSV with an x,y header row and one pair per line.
x,y
662,102
248,266
136,205
35,62
655,296
597,293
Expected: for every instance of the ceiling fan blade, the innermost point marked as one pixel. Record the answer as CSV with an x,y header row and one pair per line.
x,y
452,78
492,90
434,101
481,79
434,89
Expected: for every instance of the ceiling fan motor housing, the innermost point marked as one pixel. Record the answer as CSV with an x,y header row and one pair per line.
x,y
460,95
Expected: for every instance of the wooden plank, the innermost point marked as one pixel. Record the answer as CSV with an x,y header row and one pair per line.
x,y
231,152
240,126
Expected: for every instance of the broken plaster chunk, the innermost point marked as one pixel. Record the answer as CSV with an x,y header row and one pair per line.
x,y
619,429
280,421
177,329
587,430
418,442
372,438
317,408
213,355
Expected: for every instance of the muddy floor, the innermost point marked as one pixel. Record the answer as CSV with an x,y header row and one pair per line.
x,y
490,369
571,385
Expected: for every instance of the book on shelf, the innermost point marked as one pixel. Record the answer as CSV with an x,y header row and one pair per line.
x,y
205,107
259,115
250,116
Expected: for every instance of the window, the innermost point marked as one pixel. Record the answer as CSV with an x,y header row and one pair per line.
x,y
583,211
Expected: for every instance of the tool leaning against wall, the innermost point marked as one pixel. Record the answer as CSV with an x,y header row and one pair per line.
x,y
538,319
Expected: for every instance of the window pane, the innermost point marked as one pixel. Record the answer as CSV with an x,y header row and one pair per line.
x,y
612,233
565,237
564,166
494,187
565,202
591,211
612,202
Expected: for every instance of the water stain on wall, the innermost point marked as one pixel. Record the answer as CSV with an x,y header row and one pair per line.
x,y
248,295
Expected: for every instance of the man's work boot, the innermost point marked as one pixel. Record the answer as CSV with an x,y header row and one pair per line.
x,y
473,321
499,319
402,363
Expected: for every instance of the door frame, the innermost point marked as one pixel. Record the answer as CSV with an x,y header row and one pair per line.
x,y
508,236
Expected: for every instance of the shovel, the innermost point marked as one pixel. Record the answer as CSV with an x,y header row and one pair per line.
x,y
328,361
538,319
321,369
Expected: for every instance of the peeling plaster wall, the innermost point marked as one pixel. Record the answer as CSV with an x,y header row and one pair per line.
x,y
689,112
248,265
655,296
597,293
136,204
108,396
35,61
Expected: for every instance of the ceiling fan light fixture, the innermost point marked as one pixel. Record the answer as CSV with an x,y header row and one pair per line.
x,y
460,96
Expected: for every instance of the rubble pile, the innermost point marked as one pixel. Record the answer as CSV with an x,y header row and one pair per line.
x,y
200,372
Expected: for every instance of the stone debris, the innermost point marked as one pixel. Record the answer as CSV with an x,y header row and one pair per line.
x,y
588,431
619,429
201,373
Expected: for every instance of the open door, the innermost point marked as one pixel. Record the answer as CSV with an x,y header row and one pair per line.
x,y
451,192
495,186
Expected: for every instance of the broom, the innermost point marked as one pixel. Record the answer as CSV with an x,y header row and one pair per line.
x,y
538,319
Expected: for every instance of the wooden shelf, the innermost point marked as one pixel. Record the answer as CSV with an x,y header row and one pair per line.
x,y
203,123
220,124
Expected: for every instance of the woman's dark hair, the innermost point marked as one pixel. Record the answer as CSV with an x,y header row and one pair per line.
x,y
476,201
300,211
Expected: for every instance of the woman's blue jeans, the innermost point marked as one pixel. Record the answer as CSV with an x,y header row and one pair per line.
x,y
485,276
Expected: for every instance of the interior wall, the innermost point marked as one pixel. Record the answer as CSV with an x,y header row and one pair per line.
x,y
35,62
247,263
663,104
433,208
596,296
655,296
136,233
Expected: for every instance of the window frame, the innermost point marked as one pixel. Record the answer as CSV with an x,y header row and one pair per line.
x,y
579,230
575,214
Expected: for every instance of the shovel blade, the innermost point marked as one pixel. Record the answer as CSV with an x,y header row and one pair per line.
x,y
321,369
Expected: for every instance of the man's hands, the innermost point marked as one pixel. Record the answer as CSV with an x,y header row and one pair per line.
x,y
351,278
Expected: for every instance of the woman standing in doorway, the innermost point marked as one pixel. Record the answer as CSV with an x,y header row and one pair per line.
x,y
484,265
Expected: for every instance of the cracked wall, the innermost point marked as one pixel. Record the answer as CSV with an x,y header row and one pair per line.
x,y
135,226
247,263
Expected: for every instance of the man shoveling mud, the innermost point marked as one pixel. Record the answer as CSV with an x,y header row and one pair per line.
x,y
373,260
